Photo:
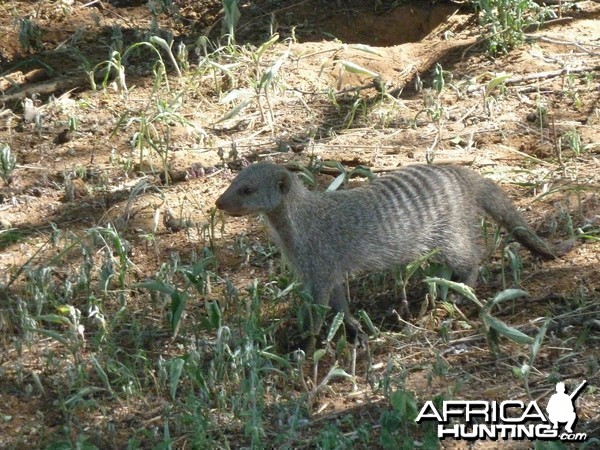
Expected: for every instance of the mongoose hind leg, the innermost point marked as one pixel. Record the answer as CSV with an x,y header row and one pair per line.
x,y
404,308
466,275
469,276
462,256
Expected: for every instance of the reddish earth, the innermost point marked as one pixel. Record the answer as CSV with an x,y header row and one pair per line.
x,y
516,133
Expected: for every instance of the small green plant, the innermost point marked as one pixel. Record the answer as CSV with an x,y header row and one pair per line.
x,y
541,115
113,244
8,162
493,327
404,275
335,371
571,81
573,139
158,7
153,131
434,107
153,122
114,66
396,422
505,21
30,35
516,265
71,334
196,276
116,39
231,19
261,84
359,104
496,83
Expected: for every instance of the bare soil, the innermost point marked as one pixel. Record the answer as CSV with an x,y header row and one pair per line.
x,y
514,134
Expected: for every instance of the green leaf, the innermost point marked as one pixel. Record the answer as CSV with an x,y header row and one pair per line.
x,y
367,320
318,355
464,290
224,67
273,357
496,82
271,73
166,47
507,294
159,41
154,285
263,48
517,372
174,375
362,171
351,67
55,318
337,182
281,294
493,342
214,313
404,403
412,267
232,15
178,301
50,333
338,372
237,94
235,111
367,49
101,373
335,325
509,332
537,342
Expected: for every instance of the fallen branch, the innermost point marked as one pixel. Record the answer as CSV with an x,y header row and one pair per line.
x,y
547,23
576,44
549,74
46,88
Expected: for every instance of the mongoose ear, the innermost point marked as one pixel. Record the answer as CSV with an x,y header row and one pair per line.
x,y
285,181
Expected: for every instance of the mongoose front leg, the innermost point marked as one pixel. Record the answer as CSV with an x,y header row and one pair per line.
x,y
339,303
334,296
311,317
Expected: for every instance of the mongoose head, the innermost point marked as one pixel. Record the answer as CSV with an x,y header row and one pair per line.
x,y
258,188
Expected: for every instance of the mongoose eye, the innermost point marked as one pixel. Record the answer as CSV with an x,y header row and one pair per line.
x,y
246,190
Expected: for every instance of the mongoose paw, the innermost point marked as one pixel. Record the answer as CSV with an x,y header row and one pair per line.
x,y
361,341
404,309
308,345
356,337
564,247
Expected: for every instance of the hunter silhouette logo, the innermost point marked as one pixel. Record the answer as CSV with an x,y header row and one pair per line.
x,y
561,407
508,419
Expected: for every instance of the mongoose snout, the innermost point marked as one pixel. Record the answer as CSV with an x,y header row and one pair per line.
x,y
255,192
390,221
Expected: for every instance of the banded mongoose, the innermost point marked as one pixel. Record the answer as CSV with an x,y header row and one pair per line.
x,y
392,220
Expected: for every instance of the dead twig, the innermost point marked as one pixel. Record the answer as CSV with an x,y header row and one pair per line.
x,y
53,86
547,23
576,44
549,74
525,155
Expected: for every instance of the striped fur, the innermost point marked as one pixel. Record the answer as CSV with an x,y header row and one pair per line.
x,y
392,220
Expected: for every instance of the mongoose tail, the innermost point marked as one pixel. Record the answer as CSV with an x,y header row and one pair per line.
x,y
499,207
